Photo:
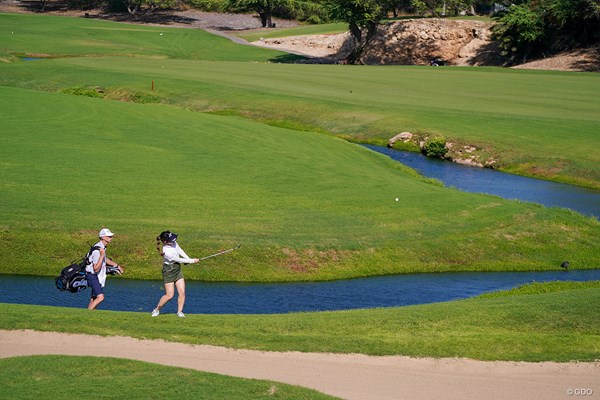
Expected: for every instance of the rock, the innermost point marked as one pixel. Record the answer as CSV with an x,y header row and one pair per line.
x,y
418,41
468,161
404,136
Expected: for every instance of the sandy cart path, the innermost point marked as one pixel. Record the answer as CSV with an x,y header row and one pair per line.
x,y
349,376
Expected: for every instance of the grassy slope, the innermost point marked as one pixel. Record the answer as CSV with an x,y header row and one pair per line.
x,y
66,36
554,326
305,206
61,377
535,122
561,325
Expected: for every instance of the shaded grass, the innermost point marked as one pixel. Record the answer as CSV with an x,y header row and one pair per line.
x,y
64,377
562,325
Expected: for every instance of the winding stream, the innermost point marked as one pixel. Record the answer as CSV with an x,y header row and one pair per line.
x,y
264,298
386,291
486,180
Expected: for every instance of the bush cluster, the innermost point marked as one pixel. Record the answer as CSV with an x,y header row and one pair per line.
x,y
435,147
82,91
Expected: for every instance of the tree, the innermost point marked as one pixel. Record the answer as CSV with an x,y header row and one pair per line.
x,y
363,17
396,6
264,8
573,22
547,26
442,7
134,7
433,6
519,31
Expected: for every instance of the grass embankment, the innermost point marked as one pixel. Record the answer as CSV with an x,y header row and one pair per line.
x,y
536,123
529,324
63,377
305,206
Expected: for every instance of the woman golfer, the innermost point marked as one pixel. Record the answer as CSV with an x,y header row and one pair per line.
x,y
174,256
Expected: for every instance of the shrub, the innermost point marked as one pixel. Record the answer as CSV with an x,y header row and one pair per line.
x,y
145,98
436,147
314,20
209,5
82,91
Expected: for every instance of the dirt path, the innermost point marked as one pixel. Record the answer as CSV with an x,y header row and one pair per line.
x,y
348,376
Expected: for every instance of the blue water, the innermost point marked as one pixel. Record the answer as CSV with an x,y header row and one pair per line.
x,y
239,298
508,186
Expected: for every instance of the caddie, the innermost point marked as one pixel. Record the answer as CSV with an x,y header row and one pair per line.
x,y
96,269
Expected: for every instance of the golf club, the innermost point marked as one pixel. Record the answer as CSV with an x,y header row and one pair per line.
x,y
221,252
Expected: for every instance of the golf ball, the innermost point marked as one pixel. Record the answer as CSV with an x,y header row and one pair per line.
x,y
397,199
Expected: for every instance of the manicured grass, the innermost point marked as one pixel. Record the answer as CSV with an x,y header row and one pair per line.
x,y
533,122
305,206
67,377
540,288
320,29
42,35
561,325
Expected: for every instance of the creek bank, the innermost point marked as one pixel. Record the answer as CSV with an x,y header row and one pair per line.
x,y
466,154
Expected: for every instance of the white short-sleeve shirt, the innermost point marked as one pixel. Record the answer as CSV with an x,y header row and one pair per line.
x,y
94,257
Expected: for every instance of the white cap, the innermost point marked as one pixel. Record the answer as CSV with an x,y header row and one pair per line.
x,y
105,232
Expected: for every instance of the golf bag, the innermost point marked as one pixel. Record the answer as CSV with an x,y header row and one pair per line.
x,y
72,277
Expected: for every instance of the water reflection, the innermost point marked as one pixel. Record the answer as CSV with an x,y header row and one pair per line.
x,y
508,186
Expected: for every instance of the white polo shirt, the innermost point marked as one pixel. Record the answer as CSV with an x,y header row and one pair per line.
x,y
94,257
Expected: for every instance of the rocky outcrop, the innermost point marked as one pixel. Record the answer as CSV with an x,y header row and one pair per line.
x,y
459,153
405,42
404,137
418,41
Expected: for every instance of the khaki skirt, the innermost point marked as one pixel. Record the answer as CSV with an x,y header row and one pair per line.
x,y
172,273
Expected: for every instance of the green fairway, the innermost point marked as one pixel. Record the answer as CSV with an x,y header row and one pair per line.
x,y
62,377
42,35
218,142
559,322
305,206
531,122
318,29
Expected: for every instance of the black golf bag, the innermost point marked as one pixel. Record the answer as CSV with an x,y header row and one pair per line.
x,y
72,277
